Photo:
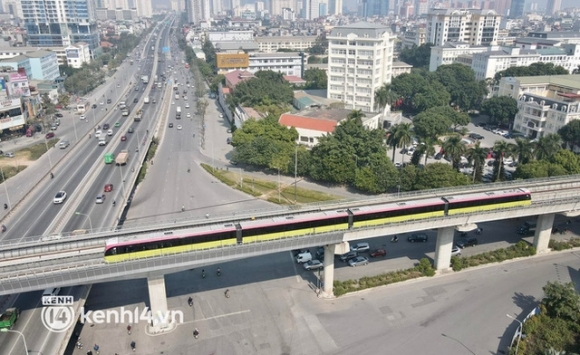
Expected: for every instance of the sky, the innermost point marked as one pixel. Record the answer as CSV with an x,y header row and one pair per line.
x,y
352,3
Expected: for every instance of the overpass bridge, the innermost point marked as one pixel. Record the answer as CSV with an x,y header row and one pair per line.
x,y
73,260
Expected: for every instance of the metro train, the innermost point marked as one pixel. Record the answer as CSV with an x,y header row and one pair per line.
x,y
258,230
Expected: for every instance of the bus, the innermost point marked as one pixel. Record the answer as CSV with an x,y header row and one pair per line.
x,y
82,108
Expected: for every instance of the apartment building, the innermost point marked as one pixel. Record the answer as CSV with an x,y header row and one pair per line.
x,y
59,23
283,62
495,59
546,103
296,43
414,37
450,51
474,27
360,60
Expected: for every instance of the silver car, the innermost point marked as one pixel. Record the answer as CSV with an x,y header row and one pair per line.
x,y
313,265
359,260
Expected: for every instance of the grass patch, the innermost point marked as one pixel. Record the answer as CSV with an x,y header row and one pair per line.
x,y
268,190
518,250
563,245
10,171
424,268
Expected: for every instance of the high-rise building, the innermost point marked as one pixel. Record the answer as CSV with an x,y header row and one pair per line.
x,y
517,8
311,8
144,8
553,6
360,61
475,27
12,7
335,7
60,23
197,10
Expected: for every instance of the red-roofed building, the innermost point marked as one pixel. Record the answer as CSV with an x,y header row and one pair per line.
x,y
235,77
309,128
295,80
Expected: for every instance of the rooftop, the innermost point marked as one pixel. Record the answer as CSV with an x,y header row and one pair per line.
x,y
315,124
569,81
361,29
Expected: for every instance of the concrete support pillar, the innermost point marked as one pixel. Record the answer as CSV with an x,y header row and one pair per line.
x,y
443,248
160,316
543,232
328,278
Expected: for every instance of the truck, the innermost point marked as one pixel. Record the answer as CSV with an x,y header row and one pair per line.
x,y
8,318
178,112
131,62
109,158
138,116
145,79
122,157
125,111
146,100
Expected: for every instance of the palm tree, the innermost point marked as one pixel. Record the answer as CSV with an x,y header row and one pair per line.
x,y
476,156
501,148
385,96
454,147
547,146
399,136
429,144
356,115
522,150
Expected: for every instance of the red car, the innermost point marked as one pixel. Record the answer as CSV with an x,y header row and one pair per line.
x,y
49,135
108,188
378,252
123,138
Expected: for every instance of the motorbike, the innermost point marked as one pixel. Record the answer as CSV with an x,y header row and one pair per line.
x,y
190,301
227,293
51,175
3,228
195,333
5,206
394,239
203,274
219,272
133,345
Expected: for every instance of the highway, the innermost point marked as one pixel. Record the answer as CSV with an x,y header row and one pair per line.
x,y
82,173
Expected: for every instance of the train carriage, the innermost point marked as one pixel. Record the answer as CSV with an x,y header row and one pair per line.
x,y
295,225
487,201
170,242
368,216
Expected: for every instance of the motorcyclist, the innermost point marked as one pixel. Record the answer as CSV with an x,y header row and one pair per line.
x,y
195,333
227,293
190,301
51,175
5,206
114,202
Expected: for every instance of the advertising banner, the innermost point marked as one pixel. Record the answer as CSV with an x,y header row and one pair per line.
x,y
230,61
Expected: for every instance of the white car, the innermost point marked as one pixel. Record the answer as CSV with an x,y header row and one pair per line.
x,y
110,132
179,127
98,133
188,115
83,117
60,197
186,105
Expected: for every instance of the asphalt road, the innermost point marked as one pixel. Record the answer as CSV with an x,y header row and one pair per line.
x,y
274,310
34,216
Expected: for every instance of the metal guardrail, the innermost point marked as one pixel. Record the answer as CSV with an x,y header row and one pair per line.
x,y
62,243
87,271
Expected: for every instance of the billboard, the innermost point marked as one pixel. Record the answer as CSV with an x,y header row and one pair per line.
x,y
11,113
18,84
231,61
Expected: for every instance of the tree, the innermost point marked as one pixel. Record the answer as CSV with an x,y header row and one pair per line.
x,y
454,147
218,79
459,80
562,301
355,115
267,87
534,69
476,156
64,100
431,96
567,160
407,85
522,150
502,149
500,109
49,107
439,175
418,57
539,169
320,46
457,118
431,124
547,146
385,96
315,78
570,133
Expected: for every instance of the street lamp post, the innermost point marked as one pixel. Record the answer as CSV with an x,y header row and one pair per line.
x,y
4,330
88,217
5,187
520,330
